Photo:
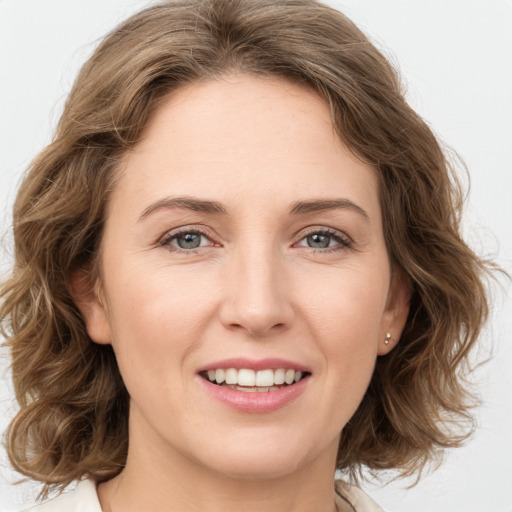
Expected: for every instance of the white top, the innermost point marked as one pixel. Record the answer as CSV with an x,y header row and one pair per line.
x,y
356,498
85,499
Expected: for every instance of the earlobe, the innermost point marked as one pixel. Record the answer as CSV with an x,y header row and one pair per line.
x,y
396,313
87,295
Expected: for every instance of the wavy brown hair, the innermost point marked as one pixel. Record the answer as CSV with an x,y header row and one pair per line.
x,y
73,412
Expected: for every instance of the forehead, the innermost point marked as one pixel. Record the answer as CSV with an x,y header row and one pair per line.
x,y
240,139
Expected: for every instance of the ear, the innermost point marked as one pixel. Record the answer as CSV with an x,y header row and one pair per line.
x,y
396,312
87,295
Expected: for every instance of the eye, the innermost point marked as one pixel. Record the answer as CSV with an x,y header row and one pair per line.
x,y
186,240
319,240
325,239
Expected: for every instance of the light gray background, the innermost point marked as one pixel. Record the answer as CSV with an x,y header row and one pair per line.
x,y
456,57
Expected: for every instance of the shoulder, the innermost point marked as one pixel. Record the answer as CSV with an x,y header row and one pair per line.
x,y
357,499
81,499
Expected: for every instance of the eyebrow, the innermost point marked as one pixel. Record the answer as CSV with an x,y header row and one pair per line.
x,y
320,205
188,203
216,208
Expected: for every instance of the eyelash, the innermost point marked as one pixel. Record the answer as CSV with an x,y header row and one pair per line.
x,y
173,235
343,241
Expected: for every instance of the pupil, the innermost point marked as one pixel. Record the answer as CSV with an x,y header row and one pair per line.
x,y
319,241
189,241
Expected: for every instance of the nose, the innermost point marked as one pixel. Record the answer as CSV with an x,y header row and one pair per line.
x,y
257,296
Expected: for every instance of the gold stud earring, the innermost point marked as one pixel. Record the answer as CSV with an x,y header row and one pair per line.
x,y
387,339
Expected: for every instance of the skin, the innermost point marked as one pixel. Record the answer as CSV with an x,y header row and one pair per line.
x,y
254,288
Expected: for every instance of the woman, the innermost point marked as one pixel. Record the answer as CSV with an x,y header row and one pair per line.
x,y
238,268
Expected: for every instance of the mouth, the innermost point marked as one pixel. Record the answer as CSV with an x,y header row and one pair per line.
x,y
254,381
255,386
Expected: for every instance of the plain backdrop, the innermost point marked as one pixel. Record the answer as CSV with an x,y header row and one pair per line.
x,y
456,58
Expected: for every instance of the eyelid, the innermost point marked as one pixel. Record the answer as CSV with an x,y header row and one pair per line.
x,y
345,241
165,239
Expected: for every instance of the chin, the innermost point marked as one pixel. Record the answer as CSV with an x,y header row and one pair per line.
x,y
257,459
258,469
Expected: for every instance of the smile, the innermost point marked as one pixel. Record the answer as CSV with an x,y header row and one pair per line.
x,y
251,381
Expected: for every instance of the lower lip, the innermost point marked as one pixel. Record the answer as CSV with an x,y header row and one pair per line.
x,y
256,402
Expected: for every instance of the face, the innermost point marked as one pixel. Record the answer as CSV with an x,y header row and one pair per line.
x,y
243,241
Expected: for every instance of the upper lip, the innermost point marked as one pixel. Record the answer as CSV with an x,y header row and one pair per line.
x,y
255,364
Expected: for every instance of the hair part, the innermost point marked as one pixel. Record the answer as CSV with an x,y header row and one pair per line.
x,y
73,418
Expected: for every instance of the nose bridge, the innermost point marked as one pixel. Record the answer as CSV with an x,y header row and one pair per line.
x,y
258,300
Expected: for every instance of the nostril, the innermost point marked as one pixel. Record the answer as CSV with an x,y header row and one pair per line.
x,y
257,309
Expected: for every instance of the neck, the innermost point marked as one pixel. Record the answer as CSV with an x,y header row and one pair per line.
x,y
157,477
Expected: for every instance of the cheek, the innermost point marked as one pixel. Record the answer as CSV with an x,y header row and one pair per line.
x,y
346,304
346,322
157,318
349,338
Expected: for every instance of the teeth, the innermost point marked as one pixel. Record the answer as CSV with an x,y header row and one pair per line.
x,y
246,377
231,376
279,377
219,376
262,380
252,389
265,378
247,390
